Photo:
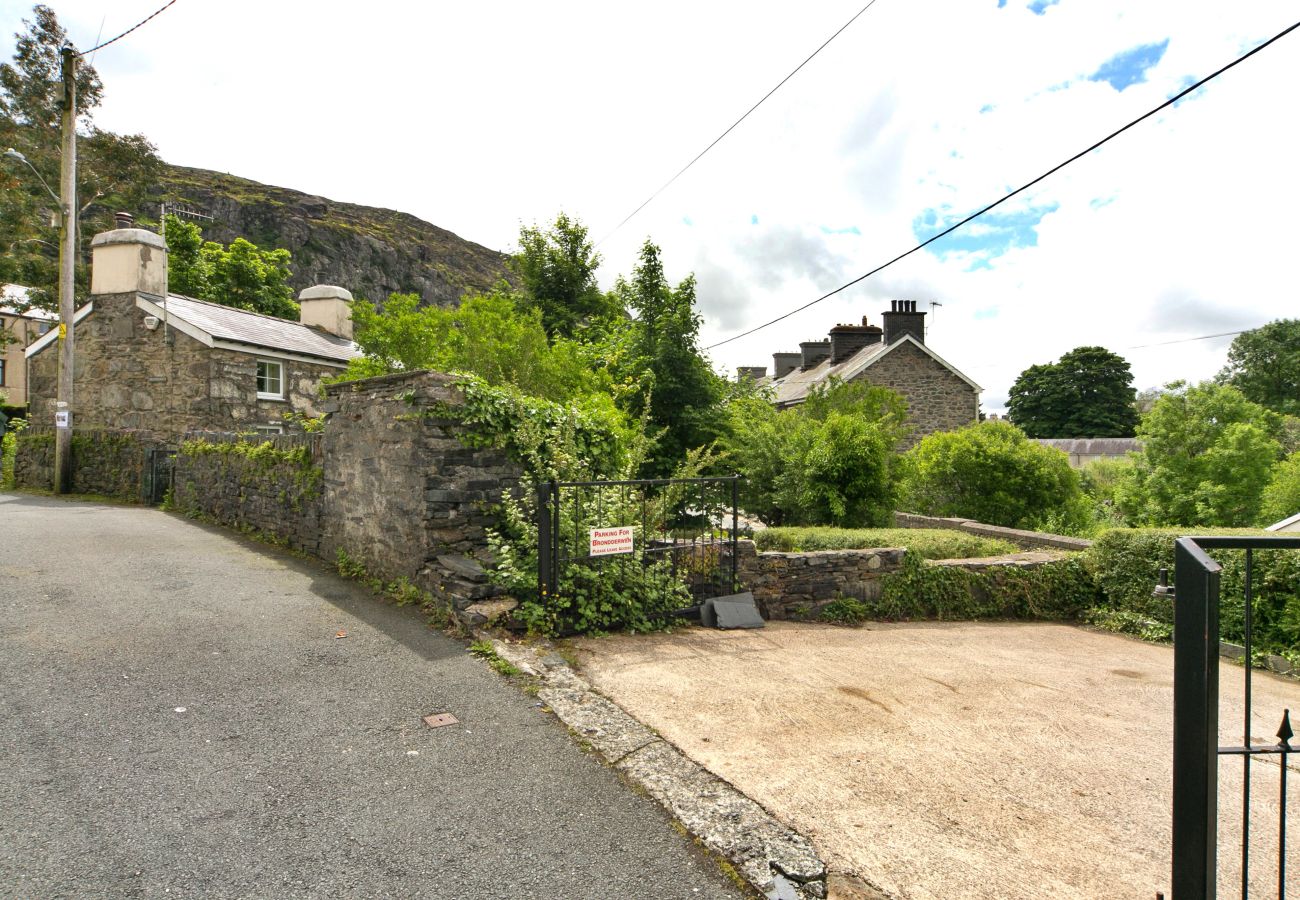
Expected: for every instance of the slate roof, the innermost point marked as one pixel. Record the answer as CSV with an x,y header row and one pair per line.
x,y
225,323
1094,446
794,386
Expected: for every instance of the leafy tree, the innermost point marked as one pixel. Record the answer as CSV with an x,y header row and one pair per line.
x,y
1207,453
830,460
1281,498
1264,364
487,336
679,391
113,171
992,473
1087,393
558,270
242,275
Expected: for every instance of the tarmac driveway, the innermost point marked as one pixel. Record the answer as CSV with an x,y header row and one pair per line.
x,y
956,760
178,718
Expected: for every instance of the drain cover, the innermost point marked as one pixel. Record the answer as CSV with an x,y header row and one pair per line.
x,y
438,720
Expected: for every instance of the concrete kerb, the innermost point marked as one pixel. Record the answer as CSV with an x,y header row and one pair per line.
x,y
774,859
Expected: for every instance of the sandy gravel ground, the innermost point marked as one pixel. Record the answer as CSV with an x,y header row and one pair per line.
x,y
963,760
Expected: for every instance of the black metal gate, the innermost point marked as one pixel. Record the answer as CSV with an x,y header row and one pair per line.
x,y
1196,723
160,464
654,529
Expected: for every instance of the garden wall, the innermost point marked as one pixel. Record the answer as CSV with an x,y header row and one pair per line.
x,y
270,486
1030,540
111,463
795,585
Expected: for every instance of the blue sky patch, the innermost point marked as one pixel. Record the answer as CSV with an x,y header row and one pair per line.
x,y
984,239
686,220
1039,7
986,108
1130,67
1002,3
852,229
988,313
1099,202
753,220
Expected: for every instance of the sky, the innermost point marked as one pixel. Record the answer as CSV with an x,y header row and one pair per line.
x,y
480,117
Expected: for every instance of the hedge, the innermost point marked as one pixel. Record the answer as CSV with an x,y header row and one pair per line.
x,y
927,543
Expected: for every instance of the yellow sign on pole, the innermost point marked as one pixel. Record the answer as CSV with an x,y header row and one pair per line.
x,y
63,330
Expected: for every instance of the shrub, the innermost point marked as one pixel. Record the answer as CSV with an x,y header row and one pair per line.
x,y
1126,564
992,473
1282,495
927,543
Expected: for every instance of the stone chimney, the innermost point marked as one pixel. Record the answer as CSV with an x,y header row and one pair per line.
x,y
785,363
814,352
750,373
328,308
847,340
902,319
128,260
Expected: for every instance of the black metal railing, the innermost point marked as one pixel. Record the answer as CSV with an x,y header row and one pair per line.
x,y
1196,719
680,528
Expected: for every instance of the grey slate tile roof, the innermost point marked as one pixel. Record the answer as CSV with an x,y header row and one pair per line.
x,y
225,323
793,387
1093,446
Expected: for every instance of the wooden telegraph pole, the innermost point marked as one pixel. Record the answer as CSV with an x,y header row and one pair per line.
x,y
67,270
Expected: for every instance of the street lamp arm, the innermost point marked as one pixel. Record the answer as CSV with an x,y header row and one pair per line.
x,y
14,154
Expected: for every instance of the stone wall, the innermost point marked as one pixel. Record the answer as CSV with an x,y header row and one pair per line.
x,y
1028,539
270,487
402,492
109,463
937,399
797,585
128,377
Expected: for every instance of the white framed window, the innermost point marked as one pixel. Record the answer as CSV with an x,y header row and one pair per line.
x,y
269,429
270,380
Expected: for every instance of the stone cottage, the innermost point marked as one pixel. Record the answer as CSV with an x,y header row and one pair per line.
x,y
152,361
939,397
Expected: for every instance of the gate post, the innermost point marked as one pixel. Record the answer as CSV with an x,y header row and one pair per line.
x,y
546,495
1196,722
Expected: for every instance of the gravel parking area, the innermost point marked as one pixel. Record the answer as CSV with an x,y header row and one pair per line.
x,y
941,760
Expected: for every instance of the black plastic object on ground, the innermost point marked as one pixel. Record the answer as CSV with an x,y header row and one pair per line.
x,y
733,611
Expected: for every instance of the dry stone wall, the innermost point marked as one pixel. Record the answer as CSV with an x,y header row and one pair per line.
x,y
110,463
797,585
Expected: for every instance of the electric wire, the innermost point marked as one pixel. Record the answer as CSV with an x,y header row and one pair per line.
x,y
1024,187
730,128
125,33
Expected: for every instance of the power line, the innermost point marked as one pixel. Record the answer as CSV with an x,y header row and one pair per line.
x,y
950,229
125,33
1203,337
666,184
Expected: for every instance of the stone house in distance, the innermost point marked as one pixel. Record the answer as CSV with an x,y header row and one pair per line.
x,y
939,397
146,360
19,328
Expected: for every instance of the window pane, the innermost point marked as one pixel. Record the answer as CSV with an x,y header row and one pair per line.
x,y
269,378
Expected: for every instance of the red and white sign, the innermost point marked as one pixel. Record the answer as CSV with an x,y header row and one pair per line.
x,y
608,541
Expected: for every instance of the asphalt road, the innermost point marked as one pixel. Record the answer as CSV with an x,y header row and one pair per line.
x,y
178,718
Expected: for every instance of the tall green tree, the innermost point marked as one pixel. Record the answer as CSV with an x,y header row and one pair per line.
x,y
1087,393
1264,364
1207,453
557,270
678,390
113,171
242,275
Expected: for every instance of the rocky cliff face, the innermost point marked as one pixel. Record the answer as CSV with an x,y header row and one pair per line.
x,y
371,252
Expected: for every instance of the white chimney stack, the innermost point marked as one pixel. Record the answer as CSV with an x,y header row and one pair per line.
x,y
128,260
327,307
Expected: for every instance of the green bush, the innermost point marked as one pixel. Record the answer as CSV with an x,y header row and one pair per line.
x,y
1059,590
1126,564
992,473
1282,495
928,543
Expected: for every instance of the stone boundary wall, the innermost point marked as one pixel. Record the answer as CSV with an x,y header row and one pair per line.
x,y
111,463
277,499
798,585
1030,540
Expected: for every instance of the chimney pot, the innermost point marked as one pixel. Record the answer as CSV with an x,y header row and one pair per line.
x,y
327,307
902,319
124,219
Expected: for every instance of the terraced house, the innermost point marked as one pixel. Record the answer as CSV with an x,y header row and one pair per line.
x,y
147,360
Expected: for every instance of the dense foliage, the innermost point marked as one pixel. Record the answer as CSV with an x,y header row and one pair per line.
x,y
927,543
1087,393
1264,364
1207,454
557,267
992,473
1281,497
113,171
242,275
827,461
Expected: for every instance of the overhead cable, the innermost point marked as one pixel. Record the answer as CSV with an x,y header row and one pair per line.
x,y
1024,187
665,185
125,33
